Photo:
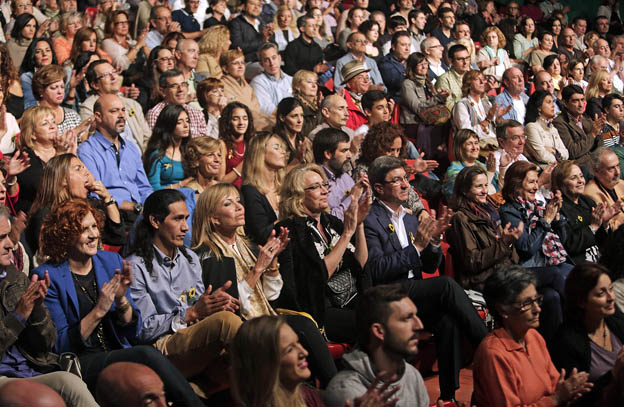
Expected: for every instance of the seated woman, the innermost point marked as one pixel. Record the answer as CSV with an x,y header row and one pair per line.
x,y
11,84
322,266
124,51
475,112
215,42
40,53
89,302
70,24
237,89
285,27
600,85
22,34
492,58
587,222
162,159
9,129
288,128
524,41
265,160
543,49
212,100
86,40
512,366
576,72
592,334
386,139
466,151
65,177
417,95
543,145
161,59
41,141
203,163
552,65
235,129
226,255
305,89
540,246
478,241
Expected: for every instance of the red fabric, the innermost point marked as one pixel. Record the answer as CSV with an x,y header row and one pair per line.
x,y
233,159
396,114
356,116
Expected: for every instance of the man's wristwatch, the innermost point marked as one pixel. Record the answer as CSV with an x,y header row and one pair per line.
x,y
110,202
138,208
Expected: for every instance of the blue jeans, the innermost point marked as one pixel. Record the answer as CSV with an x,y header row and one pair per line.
x,y
551,284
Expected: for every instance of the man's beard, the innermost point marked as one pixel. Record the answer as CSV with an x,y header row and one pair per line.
x,y
336,167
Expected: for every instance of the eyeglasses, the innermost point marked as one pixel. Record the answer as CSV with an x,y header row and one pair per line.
x,y
436,46
121,22
166,59
317,186
528,304
111,75
178,86
464,59
360,41
397,180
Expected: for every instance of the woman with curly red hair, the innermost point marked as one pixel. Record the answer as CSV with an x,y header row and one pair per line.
x,y
89,301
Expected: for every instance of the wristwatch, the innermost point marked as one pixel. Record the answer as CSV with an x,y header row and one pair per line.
x,y
110,202
138,208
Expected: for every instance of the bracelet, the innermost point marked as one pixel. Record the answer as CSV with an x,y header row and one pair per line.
x,y
123,307
237,173
272,269
12,183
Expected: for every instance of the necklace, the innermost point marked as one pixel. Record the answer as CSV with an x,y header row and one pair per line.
x,y
603,336
99,330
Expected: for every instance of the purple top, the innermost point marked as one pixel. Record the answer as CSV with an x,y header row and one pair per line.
x,y
340,189
603,360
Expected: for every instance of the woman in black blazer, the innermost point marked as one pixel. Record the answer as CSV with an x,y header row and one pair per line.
x,y
265,159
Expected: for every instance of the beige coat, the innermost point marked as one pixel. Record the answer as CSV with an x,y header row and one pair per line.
x,y
598,194
241,91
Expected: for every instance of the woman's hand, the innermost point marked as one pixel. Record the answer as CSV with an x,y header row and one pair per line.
x,y
125,279
273,247
552,207
490,163
597,214
65,143
544,178
361,193
107,296
376,395
507,158
510,235
421,165
351,214
17,164
77,77
98,188
571,388
17,227
43,28
141,39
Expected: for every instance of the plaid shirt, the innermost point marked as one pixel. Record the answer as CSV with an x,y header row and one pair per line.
x,y
196,117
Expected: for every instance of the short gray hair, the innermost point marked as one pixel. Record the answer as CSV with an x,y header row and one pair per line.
x,y
4,213
381,166
266,46
596,59
504,286
426,43
597,154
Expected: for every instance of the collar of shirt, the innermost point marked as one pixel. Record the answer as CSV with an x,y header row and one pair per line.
x,y
330,175
255,24
394,216
274,78
165,260
106,143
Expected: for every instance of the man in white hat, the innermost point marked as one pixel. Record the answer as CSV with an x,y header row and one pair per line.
x,y
356,82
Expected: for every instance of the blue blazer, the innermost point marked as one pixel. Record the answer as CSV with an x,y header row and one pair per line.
x,y
62,302
387,261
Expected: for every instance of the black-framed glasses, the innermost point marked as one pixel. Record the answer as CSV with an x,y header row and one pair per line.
x,y
317,186
397,180
528,304
178,86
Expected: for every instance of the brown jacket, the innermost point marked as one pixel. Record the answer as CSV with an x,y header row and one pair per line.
x,y
580,143
476,248
599,194
35,338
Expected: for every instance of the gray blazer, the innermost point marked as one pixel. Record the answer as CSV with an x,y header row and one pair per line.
x,y
414,100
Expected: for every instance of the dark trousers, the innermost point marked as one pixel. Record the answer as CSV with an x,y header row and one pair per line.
x,y
445,309
340,325
551,284
177,388
321,362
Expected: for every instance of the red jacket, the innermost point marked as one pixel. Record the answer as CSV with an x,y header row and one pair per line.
x,y
356,116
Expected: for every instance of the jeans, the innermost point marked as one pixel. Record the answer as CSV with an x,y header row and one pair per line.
x,y
551,284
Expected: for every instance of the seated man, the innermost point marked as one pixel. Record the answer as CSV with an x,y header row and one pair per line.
x,y
186,56
392,66
511,140
576,131
335,114
247,32
105,80
304,52
513,81
388,332
115,161
188,24
606,187
400,249
451,80
434,52
357,84
544,81
135,385
28,335
356,43
272,85
161,23
175,89
188,324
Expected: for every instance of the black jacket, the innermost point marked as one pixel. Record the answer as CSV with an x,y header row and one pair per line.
x,y
301,55
259,214
579,236
245,36
570,349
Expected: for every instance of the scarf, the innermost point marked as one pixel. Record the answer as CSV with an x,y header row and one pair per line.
x,y
499,53
487,212
244,261
420,80
551,246
312,104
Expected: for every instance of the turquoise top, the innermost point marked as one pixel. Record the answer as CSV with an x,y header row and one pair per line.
x,y
164,172
453,170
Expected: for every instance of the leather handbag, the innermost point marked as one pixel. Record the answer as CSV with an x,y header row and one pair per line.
x,y
436,115
342,288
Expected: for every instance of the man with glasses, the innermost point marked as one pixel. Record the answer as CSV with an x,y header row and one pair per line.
x,y
106,80
434,51
175,90
451,81
162,24
187,55
356,43
188,24
401,247
247,31
601,26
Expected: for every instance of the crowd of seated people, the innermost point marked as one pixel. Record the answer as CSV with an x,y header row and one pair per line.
x,y
204,200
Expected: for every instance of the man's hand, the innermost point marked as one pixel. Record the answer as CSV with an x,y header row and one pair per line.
x,y
34,295
211,302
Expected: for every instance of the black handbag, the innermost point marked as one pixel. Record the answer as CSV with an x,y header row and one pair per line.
x,y
342,288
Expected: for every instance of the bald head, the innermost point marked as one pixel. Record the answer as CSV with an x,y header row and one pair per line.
x,y
134,385
110,115
28,393
544,81
335,111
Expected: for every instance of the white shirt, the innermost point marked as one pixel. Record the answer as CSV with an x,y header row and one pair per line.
x,y
520,109
399,229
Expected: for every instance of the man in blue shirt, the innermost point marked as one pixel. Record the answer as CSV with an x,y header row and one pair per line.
x,y
273,84
189,25
115,161
357,50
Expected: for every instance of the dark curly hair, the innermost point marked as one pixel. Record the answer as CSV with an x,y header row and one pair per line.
x,y
379,139
226,130
61,228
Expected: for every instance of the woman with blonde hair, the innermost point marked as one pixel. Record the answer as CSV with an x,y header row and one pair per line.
x,y
599,85
305,89
285,27
63,44
251,274
492,58
41,141
263,170
214,43
203,162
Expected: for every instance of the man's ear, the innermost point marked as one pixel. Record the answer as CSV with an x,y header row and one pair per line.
x,y
155,224
378,331
327,155
368,112
378,188
98,118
